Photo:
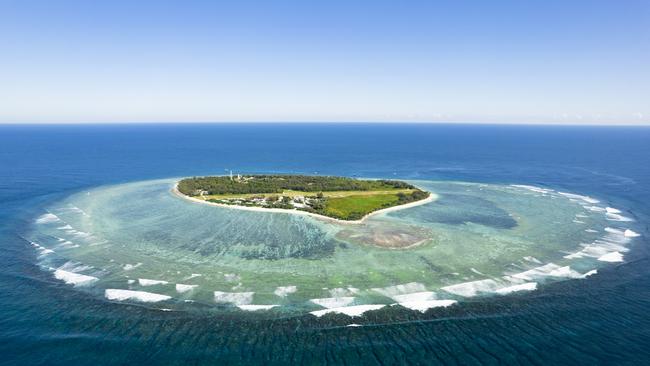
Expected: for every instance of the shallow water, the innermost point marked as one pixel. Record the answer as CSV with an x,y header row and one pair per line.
x,y
139,242
88,209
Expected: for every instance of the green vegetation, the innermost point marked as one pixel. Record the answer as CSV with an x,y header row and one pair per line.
x,y
279,183
338,197
355,207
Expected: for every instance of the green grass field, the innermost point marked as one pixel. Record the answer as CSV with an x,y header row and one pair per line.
x,y
354,207
344,205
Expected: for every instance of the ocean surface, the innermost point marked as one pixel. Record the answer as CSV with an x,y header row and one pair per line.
x,y
121,175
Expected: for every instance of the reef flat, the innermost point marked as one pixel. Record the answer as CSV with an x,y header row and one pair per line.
x,y
137,243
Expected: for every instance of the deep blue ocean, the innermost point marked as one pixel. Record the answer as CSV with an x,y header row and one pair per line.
x,y
604,319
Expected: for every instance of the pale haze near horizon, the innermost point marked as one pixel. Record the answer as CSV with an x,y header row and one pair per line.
x,y
577,62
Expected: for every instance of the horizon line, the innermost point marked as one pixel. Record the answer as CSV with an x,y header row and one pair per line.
x,y
319,122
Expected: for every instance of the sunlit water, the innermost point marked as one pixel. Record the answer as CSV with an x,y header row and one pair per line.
x,y
514,263
139,242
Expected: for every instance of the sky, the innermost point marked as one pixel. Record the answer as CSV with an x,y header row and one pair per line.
x,y
497,61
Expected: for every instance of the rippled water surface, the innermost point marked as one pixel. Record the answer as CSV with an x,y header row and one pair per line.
x,y
537,241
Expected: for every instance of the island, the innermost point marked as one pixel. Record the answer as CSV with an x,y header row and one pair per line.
x,y
338,198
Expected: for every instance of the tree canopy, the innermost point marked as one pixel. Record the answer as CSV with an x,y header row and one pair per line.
x,y
278,183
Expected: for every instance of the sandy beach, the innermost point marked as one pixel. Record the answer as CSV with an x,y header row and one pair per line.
x,y
432,197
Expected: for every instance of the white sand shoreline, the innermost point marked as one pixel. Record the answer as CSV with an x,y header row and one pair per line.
x,y
432,197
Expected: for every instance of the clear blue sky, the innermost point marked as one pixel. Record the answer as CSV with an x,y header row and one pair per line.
x,y
550,61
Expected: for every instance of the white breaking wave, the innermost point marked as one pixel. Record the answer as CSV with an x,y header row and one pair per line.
x,y
590,273
148,282
82,234
415,297
78,210
612,210
75,266
406,288
613,241
473,288
142,296
333,302
614,231
341,292
181,288
41,249
356,310
67,244
532,188
611,257
235,298
256,307
72,278
547,270
595,208
617,217
528,286
630,234
424,305
283,291
579,197
47,218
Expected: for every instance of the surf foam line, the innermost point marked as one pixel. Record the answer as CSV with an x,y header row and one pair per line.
x,y
141,296
234,298
47,218
424,305
614,241
342,292
533,188
333,302
41,249
611,257
148,282
588,203
75,279
181,288
522,281
586,199
407,288
75,267
528,286
547,270
472,288
352,311
256,307
415,297
78,210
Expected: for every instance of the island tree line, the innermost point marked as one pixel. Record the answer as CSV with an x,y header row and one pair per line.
x,y
278,183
